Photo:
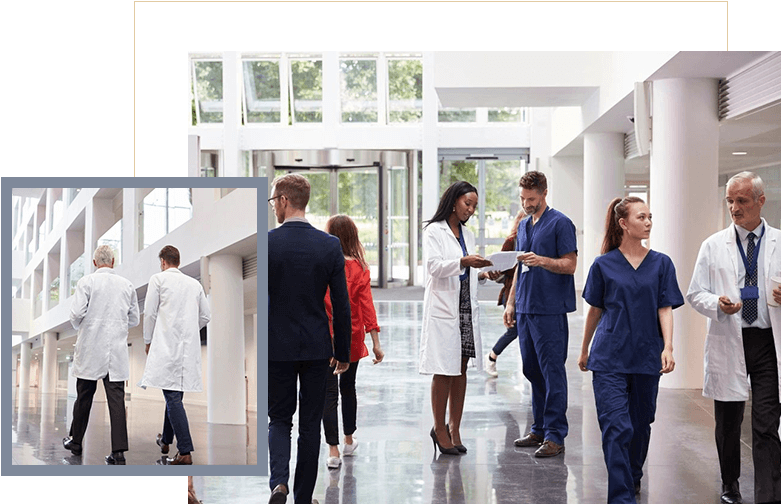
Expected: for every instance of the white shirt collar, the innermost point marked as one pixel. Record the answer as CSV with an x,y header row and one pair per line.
x,y
743,232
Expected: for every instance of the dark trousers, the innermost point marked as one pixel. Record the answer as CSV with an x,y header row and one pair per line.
x,y
760,353
626,407
505,339
283,376
543,340
175,422
115,395
344,384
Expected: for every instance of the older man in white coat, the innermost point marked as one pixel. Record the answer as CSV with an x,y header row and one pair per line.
x,y
104,307
731,286
175,310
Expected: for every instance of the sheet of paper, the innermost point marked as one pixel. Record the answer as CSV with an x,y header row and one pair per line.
x,y
502,261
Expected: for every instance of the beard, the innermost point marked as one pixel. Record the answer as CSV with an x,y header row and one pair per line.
x,y
531,210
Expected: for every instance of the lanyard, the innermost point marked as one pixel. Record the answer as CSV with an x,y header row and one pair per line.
x,y
463,276
750,271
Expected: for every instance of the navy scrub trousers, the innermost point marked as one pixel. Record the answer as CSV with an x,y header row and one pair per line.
x,y
626,405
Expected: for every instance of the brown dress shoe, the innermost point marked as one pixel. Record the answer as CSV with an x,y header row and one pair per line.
x,y
549,449
181,459
278,495
529,441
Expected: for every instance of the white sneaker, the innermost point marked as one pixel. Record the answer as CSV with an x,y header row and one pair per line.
x,y
490,366
348,449
333,462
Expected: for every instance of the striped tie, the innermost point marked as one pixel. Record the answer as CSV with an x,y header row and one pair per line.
x,y
750,305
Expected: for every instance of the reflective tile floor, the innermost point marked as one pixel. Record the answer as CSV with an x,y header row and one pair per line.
x,y
395,462
40,421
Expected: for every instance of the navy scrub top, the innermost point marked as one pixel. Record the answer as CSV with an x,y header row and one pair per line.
x,y
539,291
628,338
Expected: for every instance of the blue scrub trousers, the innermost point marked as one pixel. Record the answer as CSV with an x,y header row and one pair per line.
x,y
543,340
626,405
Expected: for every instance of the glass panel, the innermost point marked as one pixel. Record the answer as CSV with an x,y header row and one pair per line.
x,y
398,215
501,200
41,234
54,293
165,210
318,210
38,304
405,90
154,208
180,207
359,90
359,198
76,271
261,91
113,238
451,114
505,114
208,90
307,90
72,193
453,171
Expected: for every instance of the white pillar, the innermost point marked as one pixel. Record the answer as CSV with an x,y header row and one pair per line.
x,y
49,369
231,115
603,180
24,366
684,201
225,346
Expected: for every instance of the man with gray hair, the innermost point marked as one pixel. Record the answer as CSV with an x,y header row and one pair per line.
x,y
731,285
104,307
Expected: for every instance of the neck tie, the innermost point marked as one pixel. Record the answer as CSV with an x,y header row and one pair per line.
x,y
750,305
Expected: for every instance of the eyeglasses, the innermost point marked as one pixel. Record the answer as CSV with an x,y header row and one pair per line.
x,y
271,200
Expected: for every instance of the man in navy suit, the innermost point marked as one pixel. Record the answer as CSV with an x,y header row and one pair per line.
x,y
302,263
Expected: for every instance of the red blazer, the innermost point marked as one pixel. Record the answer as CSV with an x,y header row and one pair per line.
x,y
364,318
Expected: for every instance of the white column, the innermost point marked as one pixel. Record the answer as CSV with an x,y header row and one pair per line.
x,y
603,180
49,369
684,200
430,184
24,366
225,346
231,118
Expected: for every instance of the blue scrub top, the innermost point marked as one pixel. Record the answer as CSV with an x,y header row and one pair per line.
x,y
539,291
628,338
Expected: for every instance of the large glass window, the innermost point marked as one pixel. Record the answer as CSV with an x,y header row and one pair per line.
x,y
54,293
113,238
306,90
501,201
76,271
456,115
359,198
163,210
405,90
207,91
261,91
507,114
359,90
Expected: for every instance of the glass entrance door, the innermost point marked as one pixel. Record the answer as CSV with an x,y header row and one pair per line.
x,y
349,191
496,178
373,188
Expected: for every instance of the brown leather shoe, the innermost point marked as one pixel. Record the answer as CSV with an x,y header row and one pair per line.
x,y
181,459
278,495
529,441
549,449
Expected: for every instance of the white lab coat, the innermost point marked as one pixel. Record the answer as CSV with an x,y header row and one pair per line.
x,y
174,312
104,306
715,275
440,342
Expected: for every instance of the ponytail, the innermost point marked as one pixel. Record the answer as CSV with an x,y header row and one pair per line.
x,y
616,210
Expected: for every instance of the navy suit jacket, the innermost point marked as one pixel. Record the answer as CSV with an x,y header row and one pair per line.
x,y
302,263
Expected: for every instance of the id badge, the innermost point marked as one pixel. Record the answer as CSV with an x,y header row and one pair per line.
x,y
524,269
750,292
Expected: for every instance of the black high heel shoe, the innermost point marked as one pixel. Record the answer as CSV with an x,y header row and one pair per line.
x,y
445,451
461,448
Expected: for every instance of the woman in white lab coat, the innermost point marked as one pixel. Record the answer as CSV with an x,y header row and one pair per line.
x,y
451,331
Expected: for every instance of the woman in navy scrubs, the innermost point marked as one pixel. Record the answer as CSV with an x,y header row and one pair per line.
x,y
632,291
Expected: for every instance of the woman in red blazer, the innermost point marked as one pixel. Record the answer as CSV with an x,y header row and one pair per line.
x,y
364,320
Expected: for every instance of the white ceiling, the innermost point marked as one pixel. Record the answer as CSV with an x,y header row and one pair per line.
x,y
758,134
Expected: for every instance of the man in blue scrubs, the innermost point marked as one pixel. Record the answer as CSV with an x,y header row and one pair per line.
x,y
544,292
